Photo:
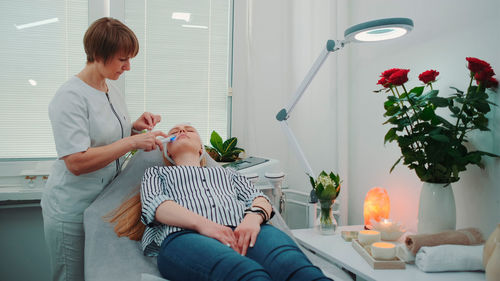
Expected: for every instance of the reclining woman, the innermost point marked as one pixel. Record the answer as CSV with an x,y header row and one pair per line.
x,y
209,223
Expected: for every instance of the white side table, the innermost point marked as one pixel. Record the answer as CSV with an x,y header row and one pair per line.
x,y
334,249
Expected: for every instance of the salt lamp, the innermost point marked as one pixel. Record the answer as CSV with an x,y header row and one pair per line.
x,y
377,205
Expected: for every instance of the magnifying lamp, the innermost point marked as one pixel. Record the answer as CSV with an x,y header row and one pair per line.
x,y
371,31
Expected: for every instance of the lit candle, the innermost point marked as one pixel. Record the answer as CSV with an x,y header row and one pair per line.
x,y
388,230
383,250
367,237
385,225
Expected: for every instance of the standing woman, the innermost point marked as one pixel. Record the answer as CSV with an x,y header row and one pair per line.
x,y
92,133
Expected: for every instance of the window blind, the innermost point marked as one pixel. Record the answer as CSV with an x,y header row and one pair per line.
x,y
182,69
41,48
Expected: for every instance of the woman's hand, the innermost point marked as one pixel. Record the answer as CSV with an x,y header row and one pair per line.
x,y
247,231
147,141
147,121
223,234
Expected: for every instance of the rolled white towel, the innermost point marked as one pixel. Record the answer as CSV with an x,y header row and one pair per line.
x,y
450,258
405,254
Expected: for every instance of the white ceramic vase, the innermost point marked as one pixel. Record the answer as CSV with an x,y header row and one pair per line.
x,y
436,210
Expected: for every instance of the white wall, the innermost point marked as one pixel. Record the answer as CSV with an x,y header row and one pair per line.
x,y
445,32
275,44
339,119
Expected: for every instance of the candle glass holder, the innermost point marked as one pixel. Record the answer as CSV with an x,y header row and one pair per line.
x,y
326,224
389,231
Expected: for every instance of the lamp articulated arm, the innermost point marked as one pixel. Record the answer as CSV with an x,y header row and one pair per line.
x,y
284,114
371,31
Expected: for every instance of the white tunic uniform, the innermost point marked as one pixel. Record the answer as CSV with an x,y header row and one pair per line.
x,y
82,117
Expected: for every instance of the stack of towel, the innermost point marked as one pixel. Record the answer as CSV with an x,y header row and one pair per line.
x,y
457,250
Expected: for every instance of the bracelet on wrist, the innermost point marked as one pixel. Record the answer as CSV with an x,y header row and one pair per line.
x,y
263,210
258,211
268,216
136,131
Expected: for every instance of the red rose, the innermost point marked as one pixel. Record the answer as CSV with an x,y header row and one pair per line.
x,y
491,83
399,77
428,76
383,82
386,74
476,65
484,75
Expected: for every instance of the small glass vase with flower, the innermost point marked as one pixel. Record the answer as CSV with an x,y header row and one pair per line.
x,y
327,188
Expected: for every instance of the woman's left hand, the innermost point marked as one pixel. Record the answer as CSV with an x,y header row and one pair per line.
x,y
246,233
147,121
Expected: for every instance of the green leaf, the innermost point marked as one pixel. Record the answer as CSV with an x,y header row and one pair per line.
x,y
323,173
439,137
311,179
335,178
482,107
319,189
392,110
454,109
392,120
229,145
445,122
390,136
439,102
488,154
427,114
328,192
421,173
213,153
458,90
216,141
397,162
454,168
388,104
417,90
429,95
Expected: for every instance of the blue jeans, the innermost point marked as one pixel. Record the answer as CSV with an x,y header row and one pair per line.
x,y
188,255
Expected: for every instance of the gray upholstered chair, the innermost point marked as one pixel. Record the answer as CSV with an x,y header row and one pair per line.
x,y
108,257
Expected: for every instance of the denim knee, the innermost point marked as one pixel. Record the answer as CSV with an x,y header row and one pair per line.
x,y
282,258
241,269
187,255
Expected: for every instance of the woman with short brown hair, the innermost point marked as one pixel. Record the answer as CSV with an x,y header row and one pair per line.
x,y
92,133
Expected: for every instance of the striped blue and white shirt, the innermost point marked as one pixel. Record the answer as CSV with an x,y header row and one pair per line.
x,y
219,194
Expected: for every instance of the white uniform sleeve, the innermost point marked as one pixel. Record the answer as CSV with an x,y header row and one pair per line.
x,y
69,117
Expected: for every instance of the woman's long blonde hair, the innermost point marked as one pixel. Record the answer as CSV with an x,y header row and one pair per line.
x,y
127,217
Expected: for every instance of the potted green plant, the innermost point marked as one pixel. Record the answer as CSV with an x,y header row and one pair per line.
x,y
434,146
223,151
327,188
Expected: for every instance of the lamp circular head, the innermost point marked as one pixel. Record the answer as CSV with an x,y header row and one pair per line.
x,y
378,30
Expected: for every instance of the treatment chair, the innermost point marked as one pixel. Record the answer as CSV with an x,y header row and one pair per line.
x,y
109,257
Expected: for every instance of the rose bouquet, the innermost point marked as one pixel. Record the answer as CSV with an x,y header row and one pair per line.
x,y
432,145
